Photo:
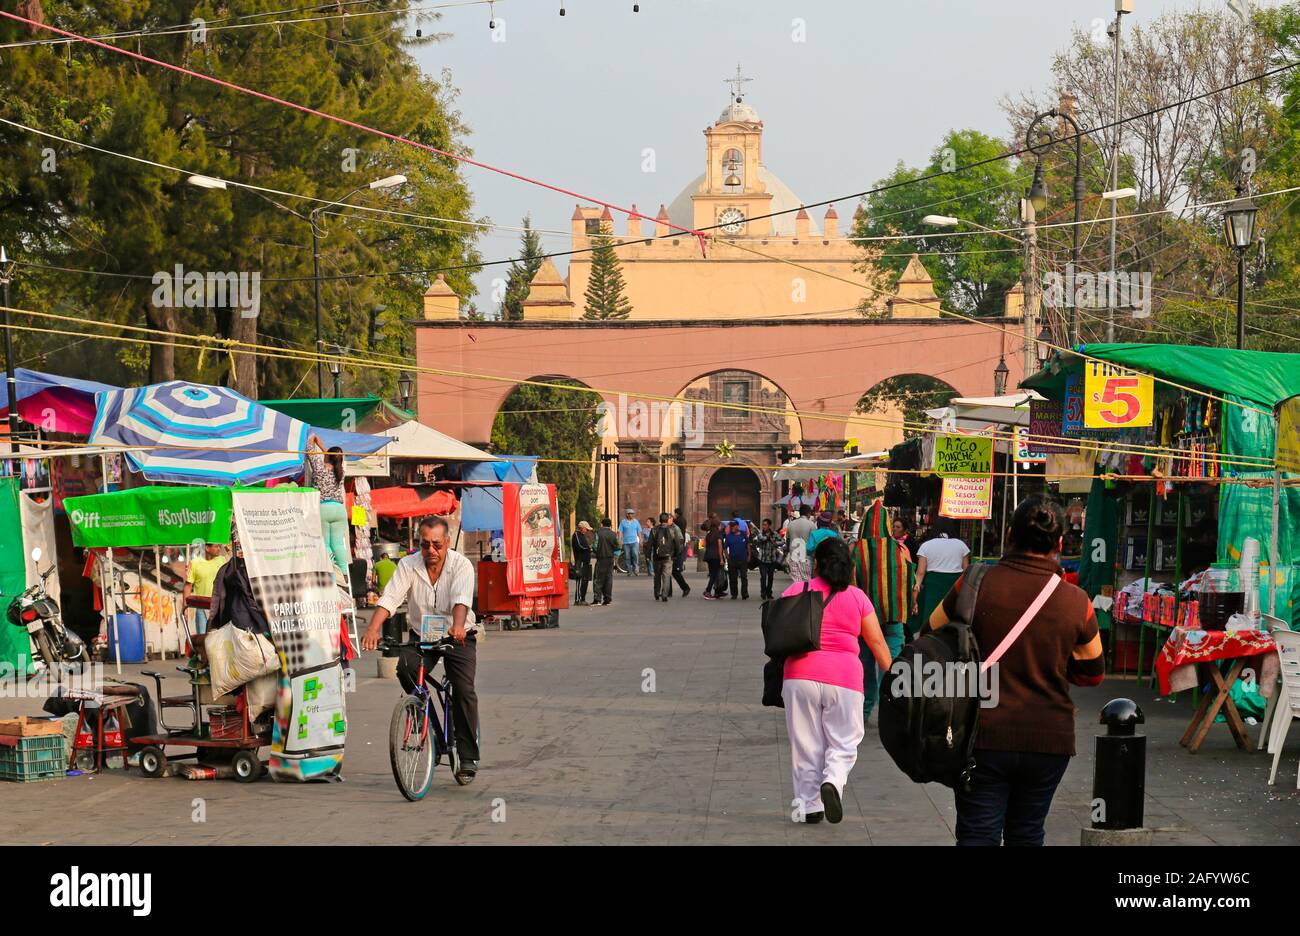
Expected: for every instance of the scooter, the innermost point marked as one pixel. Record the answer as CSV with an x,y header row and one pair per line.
x,y
38,614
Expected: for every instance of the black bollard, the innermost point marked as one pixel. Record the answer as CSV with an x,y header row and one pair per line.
x,y
1119,768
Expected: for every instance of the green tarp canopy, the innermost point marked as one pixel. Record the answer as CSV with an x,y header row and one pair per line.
x,y
1263,377
327,413
14,645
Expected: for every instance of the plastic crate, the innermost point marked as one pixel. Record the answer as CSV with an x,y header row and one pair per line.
x,y
43,758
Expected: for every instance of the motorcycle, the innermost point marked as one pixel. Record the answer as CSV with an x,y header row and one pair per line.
x,y
38,614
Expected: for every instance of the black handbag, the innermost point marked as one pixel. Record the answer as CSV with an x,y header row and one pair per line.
x,y
773,681
793,625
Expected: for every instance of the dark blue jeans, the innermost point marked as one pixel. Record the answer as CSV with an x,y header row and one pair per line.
x,y
1010,795
870,674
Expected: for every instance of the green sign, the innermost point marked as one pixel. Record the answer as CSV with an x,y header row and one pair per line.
x,y
150,516
961,456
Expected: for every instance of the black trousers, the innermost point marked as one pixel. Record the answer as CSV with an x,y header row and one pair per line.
x,y
584,578
766,572
460,664
714,586
679,564
738,572
604,582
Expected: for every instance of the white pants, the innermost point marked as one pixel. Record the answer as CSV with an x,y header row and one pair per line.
x,y
825,728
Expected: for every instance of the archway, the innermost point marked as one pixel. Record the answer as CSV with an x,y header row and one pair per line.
x,y
896,405
735,490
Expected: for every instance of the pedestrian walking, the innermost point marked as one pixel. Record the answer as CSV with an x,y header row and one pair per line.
x,y
647,565
713,557
885,572
606,549
581,549
826,529
666,544
765,548
737,544
798,529
629,540
940,561
1026,741
822,689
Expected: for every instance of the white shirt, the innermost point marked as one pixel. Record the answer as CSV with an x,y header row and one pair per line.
x,y
410,583
943,554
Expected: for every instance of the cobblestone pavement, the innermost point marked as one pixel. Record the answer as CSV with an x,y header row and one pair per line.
x,y
576,751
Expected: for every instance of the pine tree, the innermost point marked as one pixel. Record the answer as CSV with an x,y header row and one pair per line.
x,y
604,297
519,279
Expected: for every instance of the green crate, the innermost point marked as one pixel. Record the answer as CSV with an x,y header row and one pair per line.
x,y
42,758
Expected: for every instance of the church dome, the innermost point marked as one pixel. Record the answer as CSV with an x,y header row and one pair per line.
x,y
738,112
681,211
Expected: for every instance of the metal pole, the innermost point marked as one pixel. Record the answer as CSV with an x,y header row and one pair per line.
x,y
1272,539
1033,300
1078,225
1114,185
1240,299
315,261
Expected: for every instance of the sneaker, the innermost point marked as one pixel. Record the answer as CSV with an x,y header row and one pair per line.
x,y
708,597
813,818
831,801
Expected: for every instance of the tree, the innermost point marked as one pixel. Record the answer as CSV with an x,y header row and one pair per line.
x,y
604,297
520,278
909,394
972,274
127,221
559,424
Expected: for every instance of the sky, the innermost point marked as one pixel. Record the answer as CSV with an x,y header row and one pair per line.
x,y
845,88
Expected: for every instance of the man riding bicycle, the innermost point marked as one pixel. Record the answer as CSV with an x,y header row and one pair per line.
x,y
438,581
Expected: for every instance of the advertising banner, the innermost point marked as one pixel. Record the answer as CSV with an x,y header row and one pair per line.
x,y
528,512
967,498
1115,397
962,456
1046,420
292,578
1072,418
1027,452
150,516
1288,436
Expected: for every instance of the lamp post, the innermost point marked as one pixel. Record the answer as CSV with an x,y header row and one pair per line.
x,y
11,384
336,369
1000,376
1043,346
404,390
388,182
1239,232
1038,191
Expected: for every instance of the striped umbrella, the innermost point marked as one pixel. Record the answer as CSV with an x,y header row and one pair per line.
x,y
202,434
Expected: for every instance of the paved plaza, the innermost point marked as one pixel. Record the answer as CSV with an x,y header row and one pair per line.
x,y
575,750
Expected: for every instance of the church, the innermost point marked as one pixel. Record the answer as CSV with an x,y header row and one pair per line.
x,y
776,318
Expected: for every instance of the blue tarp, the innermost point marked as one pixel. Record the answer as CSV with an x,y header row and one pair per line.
x,y
480,507
32,382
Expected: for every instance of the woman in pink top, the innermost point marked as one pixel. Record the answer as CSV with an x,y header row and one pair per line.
x,y
823,688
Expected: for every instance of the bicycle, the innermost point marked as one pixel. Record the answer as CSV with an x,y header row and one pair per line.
x,y
417,737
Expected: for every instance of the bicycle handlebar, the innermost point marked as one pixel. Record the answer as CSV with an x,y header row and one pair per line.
x,y
446,643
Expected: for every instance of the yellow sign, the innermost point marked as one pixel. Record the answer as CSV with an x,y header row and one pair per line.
x,y
967,498
1288,436
1116,398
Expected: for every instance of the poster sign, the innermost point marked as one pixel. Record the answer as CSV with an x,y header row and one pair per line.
x,y
530,542
1115,397
1047,420
1288,435
292,578
1072,417
957,456
150,516
1028,452
967,498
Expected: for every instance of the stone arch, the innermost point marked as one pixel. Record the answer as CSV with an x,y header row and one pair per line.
x,y
717,420
896,400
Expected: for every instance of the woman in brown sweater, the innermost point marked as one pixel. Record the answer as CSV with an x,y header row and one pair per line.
x,y
1026,740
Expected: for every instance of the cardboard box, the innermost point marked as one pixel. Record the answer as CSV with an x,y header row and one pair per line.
x,y
27,727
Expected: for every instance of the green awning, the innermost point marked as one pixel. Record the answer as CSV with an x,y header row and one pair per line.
x,y
1263,377
327,413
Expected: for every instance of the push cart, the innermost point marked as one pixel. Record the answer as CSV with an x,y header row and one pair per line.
x,y
221,735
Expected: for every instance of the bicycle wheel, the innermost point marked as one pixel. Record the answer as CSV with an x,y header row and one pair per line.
x,y
410,748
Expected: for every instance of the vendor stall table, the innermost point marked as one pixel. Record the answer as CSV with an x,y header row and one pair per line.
x,y
1186,650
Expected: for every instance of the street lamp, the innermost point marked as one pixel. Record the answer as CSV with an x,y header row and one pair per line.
x,y
947,221
404,390
1038,191
1113,196
336,368
1000,376
1043,347
387,182
1239,232
11,384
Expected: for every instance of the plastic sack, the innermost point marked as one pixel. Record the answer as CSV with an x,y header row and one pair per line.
x,y
260,694
237,656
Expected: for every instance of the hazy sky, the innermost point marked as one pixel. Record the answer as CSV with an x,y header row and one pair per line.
x,y
575,100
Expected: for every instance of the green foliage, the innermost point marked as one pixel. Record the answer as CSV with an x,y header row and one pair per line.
x,y
101,213
604,297
519,279
913,394
554,423
971,273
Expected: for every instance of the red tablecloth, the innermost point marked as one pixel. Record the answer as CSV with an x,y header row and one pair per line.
x,y
1176,664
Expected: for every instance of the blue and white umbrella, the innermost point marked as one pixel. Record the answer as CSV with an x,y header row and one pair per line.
x,y
196,434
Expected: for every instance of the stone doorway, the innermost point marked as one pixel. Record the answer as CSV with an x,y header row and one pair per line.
x,y
735,489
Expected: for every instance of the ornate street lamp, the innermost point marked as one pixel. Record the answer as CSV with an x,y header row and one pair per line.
x,y
1239,232
1000,376
404,390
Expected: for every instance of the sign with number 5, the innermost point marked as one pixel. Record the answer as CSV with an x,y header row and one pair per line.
x,y
1116,398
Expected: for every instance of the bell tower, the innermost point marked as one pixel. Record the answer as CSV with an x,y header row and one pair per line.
x,y
733,191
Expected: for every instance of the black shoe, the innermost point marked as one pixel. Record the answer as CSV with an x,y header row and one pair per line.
x,y
831,800
685,593
605,603
813,818
744,597
468,769
734,597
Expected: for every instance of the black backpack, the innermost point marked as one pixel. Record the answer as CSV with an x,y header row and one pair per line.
x,y
932,738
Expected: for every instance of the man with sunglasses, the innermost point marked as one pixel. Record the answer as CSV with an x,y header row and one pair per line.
x,y
438,583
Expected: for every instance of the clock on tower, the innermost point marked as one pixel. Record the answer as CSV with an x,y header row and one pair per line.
x,y
732,220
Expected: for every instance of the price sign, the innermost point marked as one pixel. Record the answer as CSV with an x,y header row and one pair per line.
x,y
1116,398
962,456
1072,418
966,498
